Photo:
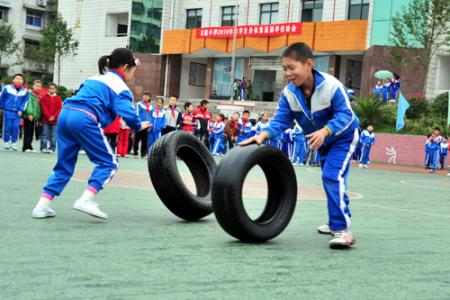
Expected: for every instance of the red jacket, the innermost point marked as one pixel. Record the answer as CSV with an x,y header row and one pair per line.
x,y
187,120
50,107
114,127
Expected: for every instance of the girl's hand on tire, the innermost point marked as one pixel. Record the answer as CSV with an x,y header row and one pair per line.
x,y
145,125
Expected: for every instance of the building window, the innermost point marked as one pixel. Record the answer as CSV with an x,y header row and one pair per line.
x,y
358,10
117,24
312,10
194,18
228,13
35,18
31,47
268,13
3,14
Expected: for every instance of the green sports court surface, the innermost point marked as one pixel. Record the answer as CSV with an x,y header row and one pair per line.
x,y
142,251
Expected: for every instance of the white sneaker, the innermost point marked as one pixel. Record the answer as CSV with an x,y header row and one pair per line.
x,y
342,239
33,151
302,164
6,146
294,164
51,151
44,151
14,147
448,174
361,165
28,151
43,212
82,152
89,207
324,229
365,166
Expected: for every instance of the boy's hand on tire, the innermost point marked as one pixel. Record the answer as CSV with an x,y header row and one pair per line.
x,y
145,125
257,139
316,139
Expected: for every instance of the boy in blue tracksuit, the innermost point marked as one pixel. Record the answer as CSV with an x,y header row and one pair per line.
x,y
287,143
217,130
443,152
427,152
144,110
299,145
435,147
387,90
98,101
13,100
378,90
244,127
367,140
320,105
158,122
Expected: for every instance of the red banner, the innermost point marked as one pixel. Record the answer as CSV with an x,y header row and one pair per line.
x,y
263,30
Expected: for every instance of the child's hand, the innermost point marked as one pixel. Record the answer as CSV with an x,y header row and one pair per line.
x,y
30,118
19,113
316,139
145,125
257,139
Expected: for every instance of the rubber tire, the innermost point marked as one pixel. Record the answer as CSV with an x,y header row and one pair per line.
x,y
166,179
227,193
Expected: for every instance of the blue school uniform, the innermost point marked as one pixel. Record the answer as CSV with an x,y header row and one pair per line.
x,y
12,101
427,153
158,121
395,88
143,111
287,142
330,107
387,91
443,153
299,145
434,151
217,131
367,140
99,100
378,91
244,129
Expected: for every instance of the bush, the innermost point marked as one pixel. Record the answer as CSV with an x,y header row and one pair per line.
x,y
63,92
439,105
369,111
419,107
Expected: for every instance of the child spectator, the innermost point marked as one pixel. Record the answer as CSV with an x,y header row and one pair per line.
x,y
51,105
299,146
428,152
387,90
378,90
111,132
13,101
96,105
395,86
202,117
31,115
187,118
435,140
231,130
287,142
173,116
245,127
443,152
158,123
237,89
218,130
254,127
263,123
144,110
367,140
244,85
122,139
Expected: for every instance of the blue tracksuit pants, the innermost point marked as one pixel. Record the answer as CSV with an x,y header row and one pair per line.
x,y
11,126
442,159
335,164
218,146
365,154
299,152
153,136
77,130
434,158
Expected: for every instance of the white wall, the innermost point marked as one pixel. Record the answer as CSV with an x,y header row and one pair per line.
x,y
188,91
89,20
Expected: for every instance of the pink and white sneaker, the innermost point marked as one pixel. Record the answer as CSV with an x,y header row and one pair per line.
x,y
342,239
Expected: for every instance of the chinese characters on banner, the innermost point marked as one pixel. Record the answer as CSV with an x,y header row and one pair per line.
x,y
249,30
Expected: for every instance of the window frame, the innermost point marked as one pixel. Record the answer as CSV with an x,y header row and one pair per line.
x,y
198,17
271,11
231,15
314,4
32,14
361,5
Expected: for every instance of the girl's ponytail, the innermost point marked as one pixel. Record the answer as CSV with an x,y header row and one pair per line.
x,y
103,64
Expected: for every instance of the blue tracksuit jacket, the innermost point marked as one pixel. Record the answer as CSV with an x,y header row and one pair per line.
x,y
367,140
12,101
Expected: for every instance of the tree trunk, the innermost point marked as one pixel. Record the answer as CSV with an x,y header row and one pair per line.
x,y
59,70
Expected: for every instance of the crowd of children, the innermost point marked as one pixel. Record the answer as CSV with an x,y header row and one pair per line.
x,y
388,90
436,149
33,112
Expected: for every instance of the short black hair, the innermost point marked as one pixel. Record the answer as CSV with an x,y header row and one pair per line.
x,y
52,84
298,51
147,93
36,81
203,102
160,98
438,129
246,112
186,105
19,74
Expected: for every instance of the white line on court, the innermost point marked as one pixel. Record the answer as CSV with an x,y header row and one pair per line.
x,y
401,210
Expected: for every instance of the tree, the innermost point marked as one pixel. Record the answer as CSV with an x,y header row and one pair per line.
x,y
57,42
423,24
7,45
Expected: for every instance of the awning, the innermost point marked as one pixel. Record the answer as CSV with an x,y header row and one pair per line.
x,y
6,4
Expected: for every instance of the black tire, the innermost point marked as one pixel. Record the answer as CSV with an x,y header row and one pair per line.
x,y
227,193
166,179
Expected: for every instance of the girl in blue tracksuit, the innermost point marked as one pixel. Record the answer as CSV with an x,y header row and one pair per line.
x,y
367,140
144,110
263,123
387,90
427,152
99,100
287,143
158,122
435,146
395,86
217,130
244,127
378,90
320,105
13,100
299,145
443,152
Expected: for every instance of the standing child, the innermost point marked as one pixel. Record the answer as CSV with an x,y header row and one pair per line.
x,y
202,117
299,145
443,152
158,123
428,152
96,105
244,126
231,130
395,86
367,140
286,143
378,90
31,116
187,118
263,123
387,90
51,105
112,132
218,130
13,101
320,105
122,139
173,116
144,110
435,146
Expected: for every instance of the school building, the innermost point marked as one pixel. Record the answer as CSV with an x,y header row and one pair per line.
x,y
186,46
